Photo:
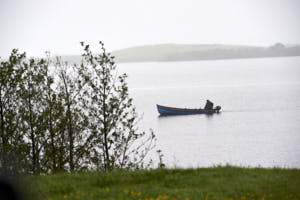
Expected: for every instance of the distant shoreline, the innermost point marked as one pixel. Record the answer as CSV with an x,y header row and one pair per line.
x,y
184,52
220,59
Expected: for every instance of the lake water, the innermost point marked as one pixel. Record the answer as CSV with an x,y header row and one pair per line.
x,y
260,120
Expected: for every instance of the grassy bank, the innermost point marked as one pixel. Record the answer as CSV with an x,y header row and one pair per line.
x,y
187,184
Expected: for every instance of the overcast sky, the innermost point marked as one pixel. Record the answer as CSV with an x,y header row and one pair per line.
x,y
35,26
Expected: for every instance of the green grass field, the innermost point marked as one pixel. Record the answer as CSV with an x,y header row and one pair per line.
x,y
171,184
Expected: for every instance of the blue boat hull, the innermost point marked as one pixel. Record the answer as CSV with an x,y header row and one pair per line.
x,y
164,110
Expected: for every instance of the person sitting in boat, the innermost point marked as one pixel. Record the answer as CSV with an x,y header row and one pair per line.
x,y
209,105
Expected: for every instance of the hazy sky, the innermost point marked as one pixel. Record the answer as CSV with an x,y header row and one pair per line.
x,y
35,26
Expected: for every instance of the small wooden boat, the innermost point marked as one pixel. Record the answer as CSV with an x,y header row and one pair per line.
x,y
165,110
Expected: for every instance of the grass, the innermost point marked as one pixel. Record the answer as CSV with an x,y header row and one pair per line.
x,y
171,184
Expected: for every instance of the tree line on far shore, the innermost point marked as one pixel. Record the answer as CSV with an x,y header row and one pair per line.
x,y
56,116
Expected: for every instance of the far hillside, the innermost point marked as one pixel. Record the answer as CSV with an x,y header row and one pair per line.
x,y
188,52
183,52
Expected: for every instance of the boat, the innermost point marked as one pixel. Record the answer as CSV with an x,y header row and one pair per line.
x,y
165,110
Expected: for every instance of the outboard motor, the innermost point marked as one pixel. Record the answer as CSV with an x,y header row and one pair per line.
x,y
218,108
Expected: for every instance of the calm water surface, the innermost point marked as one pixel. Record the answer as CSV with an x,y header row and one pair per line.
x,y
260,120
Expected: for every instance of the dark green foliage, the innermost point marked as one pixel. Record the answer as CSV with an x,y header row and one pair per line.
x,y
60,117
32,109
75,121
112,116
55,148
12,142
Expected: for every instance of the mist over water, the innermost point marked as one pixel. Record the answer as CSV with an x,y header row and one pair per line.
x,y
259,123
